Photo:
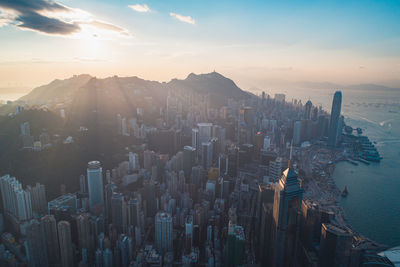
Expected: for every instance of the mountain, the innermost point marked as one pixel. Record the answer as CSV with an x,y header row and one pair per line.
x,y
218,87
132,90
57,89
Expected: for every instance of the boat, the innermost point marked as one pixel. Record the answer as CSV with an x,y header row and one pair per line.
x,y
345,192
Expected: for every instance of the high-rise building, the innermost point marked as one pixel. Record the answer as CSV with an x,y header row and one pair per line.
x,y
82,222
335,246
82,184
189,157
35,245
133,213
38,197
286,219
118,212
95,185
307,110
195,139
25,128
50,229
275,168
133,161
235,245
222,165
16,201
205,131
207,155
297,133
65,241
334,129
163,232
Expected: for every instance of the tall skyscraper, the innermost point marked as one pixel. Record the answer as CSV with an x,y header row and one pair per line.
x,y
334,129
50,229
65,241
307,110
35,245
163,232
95,185
286,219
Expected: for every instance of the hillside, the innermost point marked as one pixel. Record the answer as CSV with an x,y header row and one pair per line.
x,y
132,90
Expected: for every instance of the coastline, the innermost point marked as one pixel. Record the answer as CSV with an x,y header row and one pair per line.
x,y
322,190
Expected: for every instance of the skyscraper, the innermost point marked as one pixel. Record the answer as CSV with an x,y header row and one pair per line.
x,y
95,185
195,139
307,110
82,222
206,155
286,219
189,156
16,201
64,234
163,232
118,212
35,245
133,213
334,129
133,162
50,229
235,246
38,197
82,184
335,246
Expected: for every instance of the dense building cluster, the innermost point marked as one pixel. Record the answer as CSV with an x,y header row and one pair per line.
x,y
206,186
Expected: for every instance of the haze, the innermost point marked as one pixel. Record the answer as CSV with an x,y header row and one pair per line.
x,y
255,43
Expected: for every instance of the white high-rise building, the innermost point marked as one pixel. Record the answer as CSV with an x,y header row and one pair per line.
x,y
16,201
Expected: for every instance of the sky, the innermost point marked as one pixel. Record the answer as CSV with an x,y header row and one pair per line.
x,y
255,43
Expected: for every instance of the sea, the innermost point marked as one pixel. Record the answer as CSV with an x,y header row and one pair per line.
x,y
372,206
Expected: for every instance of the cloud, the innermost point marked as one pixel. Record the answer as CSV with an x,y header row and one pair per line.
x,y
50,17
187,19
140,8
109,27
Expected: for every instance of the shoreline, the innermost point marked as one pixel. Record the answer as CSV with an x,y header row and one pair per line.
x,y
322,190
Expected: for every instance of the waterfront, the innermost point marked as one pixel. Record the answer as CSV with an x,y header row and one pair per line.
x,y
372,206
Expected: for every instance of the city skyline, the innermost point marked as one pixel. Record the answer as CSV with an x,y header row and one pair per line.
x,y
257,43
199,133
